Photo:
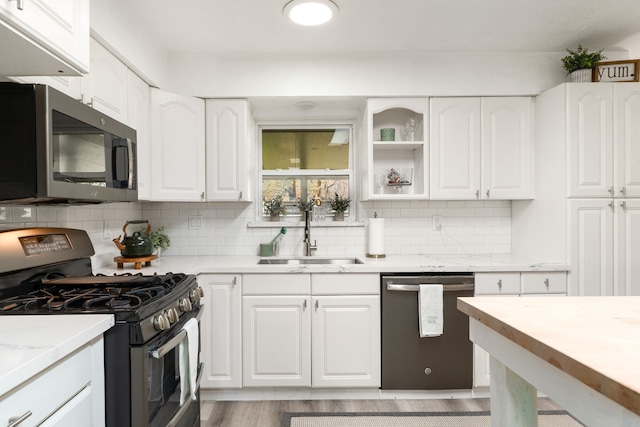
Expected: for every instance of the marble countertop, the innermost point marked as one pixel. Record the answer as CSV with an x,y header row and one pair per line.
x,y
596,340
390,264
30,344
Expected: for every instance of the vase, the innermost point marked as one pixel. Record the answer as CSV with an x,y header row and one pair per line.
x,y
339,216
580,76
274,217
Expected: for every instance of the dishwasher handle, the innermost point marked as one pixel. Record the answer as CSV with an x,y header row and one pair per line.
x,y
416,288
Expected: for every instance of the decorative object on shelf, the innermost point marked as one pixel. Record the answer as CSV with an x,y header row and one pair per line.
x,y
617,71
378,182
409,129
275,207
579,64
387,134
399,178
339,205
376,237
161,241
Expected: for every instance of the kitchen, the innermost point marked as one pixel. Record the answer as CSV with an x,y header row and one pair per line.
x,y
274,81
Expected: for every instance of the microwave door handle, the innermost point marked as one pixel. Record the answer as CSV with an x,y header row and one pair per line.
x,y
121,165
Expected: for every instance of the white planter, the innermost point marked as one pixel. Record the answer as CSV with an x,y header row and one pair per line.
x,y
581,76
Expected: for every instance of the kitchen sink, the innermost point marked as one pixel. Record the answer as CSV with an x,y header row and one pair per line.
x,y
309,261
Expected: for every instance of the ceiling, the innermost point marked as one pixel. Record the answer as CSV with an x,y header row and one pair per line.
x,y
391,26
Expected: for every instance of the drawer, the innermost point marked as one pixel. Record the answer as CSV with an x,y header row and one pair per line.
x,y
276,284
544,282
497,283
345,284
67,378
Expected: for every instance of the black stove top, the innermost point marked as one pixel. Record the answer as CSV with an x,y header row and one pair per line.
x,y
56,292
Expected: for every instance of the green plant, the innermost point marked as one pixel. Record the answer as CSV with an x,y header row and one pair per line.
x,y
339,204
159,239
580,59
304,205
275,206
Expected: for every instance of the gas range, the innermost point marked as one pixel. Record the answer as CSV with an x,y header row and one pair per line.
x,y
47,271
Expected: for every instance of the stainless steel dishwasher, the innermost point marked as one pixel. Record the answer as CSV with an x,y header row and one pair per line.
x,y
410,362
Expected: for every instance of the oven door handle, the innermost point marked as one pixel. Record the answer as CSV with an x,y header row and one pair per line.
x,y
178,416
175,341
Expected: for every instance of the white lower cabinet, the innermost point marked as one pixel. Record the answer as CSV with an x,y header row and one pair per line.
x,y
311,330
221,330
529,283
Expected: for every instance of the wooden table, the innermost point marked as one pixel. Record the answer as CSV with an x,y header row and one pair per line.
x,y
582,352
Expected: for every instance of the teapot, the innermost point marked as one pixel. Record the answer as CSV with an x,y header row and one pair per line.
x,y
138,245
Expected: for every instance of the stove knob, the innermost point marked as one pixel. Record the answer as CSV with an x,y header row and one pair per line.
x,y
161,322
184,304
195,295
172,315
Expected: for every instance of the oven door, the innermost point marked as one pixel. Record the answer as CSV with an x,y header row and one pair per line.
x,y
157,398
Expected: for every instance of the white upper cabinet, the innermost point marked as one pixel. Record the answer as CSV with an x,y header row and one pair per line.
x,y
481,148
626,139
229,138
455,148
403,156
44,38
138,96
590,136
507,147
105,88
177,146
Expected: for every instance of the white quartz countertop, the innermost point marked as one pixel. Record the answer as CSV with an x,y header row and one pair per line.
x,y
30,344
390,264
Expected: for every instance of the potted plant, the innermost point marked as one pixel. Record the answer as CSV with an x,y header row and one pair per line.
x,y
275,207
580,63
339,205
160,240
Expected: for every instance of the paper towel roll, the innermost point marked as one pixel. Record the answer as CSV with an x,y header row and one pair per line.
x,y
376,236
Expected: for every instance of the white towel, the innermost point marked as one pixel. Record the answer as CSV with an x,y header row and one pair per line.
x,y
188,360
430,314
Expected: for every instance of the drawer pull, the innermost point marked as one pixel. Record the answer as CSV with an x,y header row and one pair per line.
x,y
14,421
546,283
500,284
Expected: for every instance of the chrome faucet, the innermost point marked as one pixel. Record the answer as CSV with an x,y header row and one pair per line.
x,y
308,247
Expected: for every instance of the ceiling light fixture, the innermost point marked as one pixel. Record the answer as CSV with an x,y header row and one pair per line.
x,y
310,12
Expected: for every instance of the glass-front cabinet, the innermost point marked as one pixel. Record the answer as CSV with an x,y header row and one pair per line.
x,y
396,144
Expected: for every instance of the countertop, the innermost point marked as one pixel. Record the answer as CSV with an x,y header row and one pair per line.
x,y
596,340
390,264
30,344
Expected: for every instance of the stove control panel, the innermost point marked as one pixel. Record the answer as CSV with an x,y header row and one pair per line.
x,y
44,243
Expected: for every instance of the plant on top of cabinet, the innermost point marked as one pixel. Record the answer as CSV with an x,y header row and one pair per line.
x,y
340,205
581,60
275,207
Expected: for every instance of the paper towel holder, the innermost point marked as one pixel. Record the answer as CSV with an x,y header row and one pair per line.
x,y
368,255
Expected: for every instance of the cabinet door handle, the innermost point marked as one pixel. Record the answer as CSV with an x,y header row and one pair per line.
x,y
611,205
624,205
234,281
611,191
488,194
317,305
20,4
623,190
202,196
240,196
546,283
500,284
14,421
477,194
304,305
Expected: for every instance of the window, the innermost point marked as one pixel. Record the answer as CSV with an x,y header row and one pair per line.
x,y
305,164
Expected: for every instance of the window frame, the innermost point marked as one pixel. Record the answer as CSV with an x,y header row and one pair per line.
x,y
305,125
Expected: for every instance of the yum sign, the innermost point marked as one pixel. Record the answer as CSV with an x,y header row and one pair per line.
x,y
617,71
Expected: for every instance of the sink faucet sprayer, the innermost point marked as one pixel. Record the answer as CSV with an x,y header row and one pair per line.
x,y
308,247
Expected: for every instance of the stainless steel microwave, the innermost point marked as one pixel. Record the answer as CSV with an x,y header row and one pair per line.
x,y
55,149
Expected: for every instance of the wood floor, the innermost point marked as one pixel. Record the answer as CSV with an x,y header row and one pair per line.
x,y
267,413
